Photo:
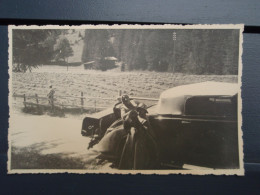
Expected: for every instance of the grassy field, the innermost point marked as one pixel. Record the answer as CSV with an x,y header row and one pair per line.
x,y
70,84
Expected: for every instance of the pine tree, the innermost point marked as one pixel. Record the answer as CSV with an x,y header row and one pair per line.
x,y
63,49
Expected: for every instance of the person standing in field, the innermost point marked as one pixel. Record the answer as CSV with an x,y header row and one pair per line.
x,y
51,97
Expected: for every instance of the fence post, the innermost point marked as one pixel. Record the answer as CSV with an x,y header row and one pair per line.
x,y
95,105
82,102
14,95
119,93
37,101
24,100
52,102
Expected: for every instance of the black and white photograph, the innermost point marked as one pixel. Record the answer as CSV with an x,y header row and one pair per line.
x,y
120,99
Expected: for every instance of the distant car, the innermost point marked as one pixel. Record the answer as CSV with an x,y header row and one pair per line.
x,y
194,124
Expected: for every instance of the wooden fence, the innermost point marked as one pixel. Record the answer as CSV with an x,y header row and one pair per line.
x,y
53,101
34,100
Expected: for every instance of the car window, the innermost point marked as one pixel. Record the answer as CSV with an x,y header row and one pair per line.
x,y
211,106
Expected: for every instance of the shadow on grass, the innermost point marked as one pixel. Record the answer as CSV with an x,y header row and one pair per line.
x,y
57,111
30,158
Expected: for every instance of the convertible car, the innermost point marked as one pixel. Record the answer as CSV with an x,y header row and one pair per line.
x,y
194,125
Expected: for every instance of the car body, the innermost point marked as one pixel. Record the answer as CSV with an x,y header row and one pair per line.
x,y
194,124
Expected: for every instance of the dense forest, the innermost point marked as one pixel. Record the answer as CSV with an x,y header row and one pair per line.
x,y
193,51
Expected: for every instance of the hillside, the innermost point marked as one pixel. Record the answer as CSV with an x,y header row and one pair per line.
x,y
75,38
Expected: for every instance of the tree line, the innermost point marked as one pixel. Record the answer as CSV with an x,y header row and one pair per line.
x,y
194,51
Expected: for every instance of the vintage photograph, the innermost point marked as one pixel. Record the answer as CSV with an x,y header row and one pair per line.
x,y
150,99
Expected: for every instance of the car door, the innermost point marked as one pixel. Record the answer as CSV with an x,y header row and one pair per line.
x,y
210,132
210,142
205,135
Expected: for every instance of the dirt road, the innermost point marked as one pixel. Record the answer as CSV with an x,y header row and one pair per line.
x,y
44,142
